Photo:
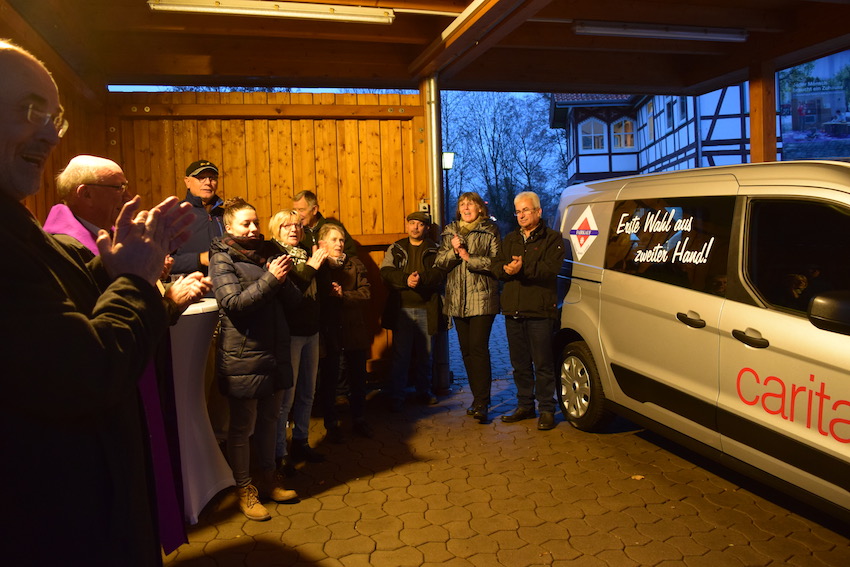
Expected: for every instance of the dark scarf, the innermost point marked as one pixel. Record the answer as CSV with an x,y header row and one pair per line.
x,y
256,250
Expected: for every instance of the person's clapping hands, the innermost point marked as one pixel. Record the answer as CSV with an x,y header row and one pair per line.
x,y
188,289
317,258
280,266
413,280
143,238
514,266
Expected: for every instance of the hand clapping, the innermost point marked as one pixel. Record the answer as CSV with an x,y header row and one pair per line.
x,y
143,238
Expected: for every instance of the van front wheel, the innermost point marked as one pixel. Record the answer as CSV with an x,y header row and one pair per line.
x,y
580,392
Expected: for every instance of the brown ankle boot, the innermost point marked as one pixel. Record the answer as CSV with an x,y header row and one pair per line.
x,y
269,487
250,505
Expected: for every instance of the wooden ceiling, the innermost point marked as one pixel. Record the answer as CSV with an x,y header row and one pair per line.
x,y
507,45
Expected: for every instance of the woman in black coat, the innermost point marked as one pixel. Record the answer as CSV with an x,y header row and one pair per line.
x,y
253,368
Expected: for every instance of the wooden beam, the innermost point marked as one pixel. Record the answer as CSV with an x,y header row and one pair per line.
x,y
290,111
762,112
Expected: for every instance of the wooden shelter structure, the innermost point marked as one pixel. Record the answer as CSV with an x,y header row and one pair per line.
x,y
372,158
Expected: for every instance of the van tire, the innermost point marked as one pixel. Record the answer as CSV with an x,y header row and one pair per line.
x,y
580,393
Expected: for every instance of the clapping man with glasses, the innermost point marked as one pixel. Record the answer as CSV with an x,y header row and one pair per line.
x,y
78,335
207,207
531,259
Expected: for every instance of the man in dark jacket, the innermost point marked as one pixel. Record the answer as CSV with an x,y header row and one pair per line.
x,y
413,308
80,334
531,259
307,205
201,185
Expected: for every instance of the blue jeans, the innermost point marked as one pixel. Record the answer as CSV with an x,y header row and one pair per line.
x,y
411,344
530,346
304,352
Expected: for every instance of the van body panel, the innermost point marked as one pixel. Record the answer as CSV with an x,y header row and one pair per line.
x,y
692,294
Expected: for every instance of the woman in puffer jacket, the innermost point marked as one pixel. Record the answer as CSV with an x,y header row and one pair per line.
x,y
468,247
253,367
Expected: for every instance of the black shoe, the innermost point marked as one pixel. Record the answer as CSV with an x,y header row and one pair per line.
x,y
546,421
361,428
519,414
301,451
334,435
286,468
426,399
480,413
470,410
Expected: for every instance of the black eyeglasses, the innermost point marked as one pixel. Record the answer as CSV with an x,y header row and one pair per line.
x,y
41,118
122,187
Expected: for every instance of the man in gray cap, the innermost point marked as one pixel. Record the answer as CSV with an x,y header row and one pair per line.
x,y
413,310
201,184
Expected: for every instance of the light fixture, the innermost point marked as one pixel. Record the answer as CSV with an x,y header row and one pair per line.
x,y
271,9
448,160
654,31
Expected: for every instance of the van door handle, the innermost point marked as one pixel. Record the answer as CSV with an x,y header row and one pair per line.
x,y
755,342
690,321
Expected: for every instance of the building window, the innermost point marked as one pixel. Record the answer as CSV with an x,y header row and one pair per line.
x,y
670,118
624,134
683,108
593,136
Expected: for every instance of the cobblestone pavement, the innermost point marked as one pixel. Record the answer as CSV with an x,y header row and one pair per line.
x,y
434,487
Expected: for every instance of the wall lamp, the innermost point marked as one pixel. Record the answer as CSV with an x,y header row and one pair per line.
x,y
691,33
271,9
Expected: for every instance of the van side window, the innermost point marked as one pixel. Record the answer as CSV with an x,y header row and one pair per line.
x,y
796,250
682,241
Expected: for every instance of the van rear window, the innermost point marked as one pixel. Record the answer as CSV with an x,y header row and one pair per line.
x,y
682,241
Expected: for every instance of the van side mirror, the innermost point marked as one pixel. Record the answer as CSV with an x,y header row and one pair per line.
x,y
830,311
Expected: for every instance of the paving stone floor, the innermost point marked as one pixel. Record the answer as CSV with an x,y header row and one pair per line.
x,y
434,487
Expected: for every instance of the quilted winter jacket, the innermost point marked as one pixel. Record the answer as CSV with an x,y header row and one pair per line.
x,y
252,354
471,287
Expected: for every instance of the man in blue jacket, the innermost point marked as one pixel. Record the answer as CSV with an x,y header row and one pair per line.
x,y
531,259
201,185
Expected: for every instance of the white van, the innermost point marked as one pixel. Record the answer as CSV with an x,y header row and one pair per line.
x,y
713,305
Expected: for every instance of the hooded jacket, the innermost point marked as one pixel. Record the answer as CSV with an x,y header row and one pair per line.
x,y
471,286
394,271
252,354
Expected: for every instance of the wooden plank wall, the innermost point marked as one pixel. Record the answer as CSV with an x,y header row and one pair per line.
x,y
362,154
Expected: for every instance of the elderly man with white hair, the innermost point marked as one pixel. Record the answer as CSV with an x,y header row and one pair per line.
x,y
77,333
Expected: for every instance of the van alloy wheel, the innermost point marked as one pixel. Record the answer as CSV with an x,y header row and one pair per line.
x,y
580,392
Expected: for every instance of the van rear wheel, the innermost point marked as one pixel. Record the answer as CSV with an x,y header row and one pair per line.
x,y
580,393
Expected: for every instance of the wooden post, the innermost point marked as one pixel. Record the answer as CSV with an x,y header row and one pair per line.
x,y
762,112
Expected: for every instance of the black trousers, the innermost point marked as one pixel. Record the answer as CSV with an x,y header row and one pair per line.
x,y
473,334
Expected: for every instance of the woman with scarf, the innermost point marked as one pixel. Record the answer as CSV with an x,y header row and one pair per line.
x,y
250,282
286,229
468,247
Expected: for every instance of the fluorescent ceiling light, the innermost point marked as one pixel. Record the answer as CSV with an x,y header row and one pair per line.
x,y
271,9
692,33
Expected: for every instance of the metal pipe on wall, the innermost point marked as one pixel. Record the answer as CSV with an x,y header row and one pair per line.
x,y
436,194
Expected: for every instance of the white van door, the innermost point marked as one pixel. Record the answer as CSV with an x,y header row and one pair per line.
x,y
784,403
662,295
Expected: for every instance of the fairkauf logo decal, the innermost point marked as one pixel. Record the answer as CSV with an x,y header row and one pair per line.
x,y
583,233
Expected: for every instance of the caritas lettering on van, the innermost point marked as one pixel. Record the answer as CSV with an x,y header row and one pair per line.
x,y
807,403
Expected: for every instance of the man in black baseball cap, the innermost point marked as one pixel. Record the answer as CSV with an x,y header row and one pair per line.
x,y
201,183
413,309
